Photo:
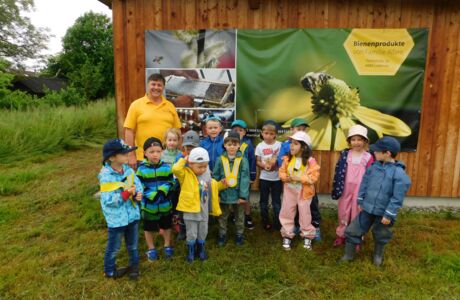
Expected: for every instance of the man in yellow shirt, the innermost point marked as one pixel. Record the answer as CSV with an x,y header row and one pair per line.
x,y
149,116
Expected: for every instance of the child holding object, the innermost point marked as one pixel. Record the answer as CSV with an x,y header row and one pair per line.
x,y
198,198
120,192
349,172
299,172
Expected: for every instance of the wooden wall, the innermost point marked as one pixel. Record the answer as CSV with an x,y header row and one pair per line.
x,y
434,168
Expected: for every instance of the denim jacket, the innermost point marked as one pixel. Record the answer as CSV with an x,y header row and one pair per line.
x,y
383,189
117,212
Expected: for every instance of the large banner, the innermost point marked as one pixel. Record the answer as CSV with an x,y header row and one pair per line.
x,y
333,78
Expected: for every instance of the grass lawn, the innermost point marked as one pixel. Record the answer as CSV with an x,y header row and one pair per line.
x,y
53,240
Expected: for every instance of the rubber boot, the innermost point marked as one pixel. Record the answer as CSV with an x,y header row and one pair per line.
x,y
378,254
191,251
202,255
350,250
133,272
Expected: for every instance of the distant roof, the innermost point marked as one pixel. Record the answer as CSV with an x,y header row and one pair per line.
x,y
107,2
37,85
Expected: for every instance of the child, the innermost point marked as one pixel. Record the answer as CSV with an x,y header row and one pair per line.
x,y
247,149
198,198
190,140
172,144
232,167
213,143
120,189
349,172
296,125
299,172
157,180
266,154
381,195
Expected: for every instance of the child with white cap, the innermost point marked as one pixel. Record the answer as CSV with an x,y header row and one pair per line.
x,y
349,172
199,197
299,172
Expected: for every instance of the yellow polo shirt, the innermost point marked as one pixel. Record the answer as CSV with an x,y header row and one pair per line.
x,y
150,120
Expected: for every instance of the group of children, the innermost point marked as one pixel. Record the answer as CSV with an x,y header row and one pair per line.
x,y
183,180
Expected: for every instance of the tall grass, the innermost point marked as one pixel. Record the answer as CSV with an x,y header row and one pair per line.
x,y
45,130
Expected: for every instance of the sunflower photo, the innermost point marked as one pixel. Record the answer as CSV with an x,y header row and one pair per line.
x,y
333,81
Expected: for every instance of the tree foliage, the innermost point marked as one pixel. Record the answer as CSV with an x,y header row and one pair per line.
x,y
87,56
19,38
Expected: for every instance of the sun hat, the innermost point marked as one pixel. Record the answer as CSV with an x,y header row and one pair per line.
x,y
301,136
357,130
198,155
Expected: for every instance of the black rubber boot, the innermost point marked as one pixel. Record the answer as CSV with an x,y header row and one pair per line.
x,y
378,254
350,250
133,273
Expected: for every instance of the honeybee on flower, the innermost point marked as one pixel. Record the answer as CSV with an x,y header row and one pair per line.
x,y
331,107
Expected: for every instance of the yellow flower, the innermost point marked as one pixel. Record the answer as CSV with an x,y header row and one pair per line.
x,y
331,107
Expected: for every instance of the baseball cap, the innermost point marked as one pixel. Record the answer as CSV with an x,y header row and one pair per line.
x,y
387,143
113,147
191,138
298,122
240,123
152,141
198,155
231,135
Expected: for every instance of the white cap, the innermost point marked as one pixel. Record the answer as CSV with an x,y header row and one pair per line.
x,y
302,136
198,155
357,130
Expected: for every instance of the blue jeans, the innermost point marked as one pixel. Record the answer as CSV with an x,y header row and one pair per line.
x,y
361,225
274,188
130,232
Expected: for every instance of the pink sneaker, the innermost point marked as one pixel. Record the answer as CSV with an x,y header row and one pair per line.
x,y
339,241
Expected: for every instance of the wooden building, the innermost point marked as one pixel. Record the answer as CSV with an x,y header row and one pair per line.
x,y
434,168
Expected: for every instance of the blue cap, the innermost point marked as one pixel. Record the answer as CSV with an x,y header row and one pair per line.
x,y
270,122
387,143
114,147
240,123
212,118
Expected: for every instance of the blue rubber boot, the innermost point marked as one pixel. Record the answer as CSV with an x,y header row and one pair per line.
x,y
201,250
190,251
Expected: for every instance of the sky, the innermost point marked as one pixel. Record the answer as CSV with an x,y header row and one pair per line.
x,y
59,15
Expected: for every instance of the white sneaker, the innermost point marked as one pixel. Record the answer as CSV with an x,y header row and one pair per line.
x,y
307,244
286,243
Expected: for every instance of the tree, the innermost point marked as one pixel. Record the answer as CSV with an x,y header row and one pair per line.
x,y
87,56
19,39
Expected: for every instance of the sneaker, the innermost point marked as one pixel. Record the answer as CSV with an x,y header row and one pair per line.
x,y
239,239
248,223
307,243
287,243
221,240
339,241
169,251
152,255
318,235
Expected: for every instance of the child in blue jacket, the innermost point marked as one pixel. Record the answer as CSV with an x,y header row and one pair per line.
x,y
381,195
121,191
214,142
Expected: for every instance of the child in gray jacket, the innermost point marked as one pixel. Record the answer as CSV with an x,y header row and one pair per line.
x,y
380,196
